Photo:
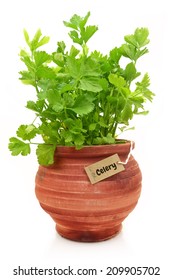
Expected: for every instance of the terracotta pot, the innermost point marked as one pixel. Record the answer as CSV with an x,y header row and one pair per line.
x,y
82,211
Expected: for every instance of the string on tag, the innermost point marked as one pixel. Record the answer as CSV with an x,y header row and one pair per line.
x,y
129,154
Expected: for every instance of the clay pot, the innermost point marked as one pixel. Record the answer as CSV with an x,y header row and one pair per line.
x,y
82,211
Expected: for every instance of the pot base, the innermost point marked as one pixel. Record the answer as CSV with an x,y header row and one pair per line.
x,y
88,235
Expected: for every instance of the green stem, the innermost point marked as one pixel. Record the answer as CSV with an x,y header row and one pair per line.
x,y
33,143
34,119
114,129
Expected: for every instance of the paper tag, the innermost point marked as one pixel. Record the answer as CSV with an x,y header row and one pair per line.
x,y
104,168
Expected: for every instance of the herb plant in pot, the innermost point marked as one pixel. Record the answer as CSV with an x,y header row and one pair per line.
x,y
83,100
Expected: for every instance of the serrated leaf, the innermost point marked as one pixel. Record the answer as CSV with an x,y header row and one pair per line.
x,y
74,22
75,37
145,81
90,84
37,41
130,72
77,22
27,78
128,51
17,147
58,107
27,132
84,20
131,40
89,32
116,80
61,47
141,36
142,88
141,52
78,140
45,72
115,54
73,51
41,57
54,98
82,106
67,135
45,154
35,106
58,59
126,113
29,64
109,139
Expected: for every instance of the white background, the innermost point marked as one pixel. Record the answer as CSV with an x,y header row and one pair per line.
x,y
27,234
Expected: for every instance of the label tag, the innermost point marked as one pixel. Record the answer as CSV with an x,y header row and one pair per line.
x,y
104,168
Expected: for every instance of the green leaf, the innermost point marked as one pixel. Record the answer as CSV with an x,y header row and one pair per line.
x,y
37,41
90,84
142,88
68,136
84,20
130,72
34,42
73,66
126,113
17,147
145,81
58,107
61,47
141,36
77,22
128,51
35,106
92,126
50,130
43,41
80,34
78,140
75,37
89,32
73,51
41,57
108,139
82,106
131,40
27,132
115,55
27,78
26,35
117,81
45,72
29,63
45,154
54,99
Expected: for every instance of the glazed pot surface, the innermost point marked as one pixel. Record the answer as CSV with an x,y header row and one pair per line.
x,y
82,211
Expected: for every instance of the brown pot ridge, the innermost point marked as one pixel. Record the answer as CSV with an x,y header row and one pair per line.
x,y
82,211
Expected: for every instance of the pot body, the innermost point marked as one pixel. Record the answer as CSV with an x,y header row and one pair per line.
x,y
82,211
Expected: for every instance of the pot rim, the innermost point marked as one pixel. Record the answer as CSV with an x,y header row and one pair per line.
x,y
88,151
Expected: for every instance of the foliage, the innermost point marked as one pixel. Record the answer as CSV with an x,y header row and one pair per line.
x,y
82,97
